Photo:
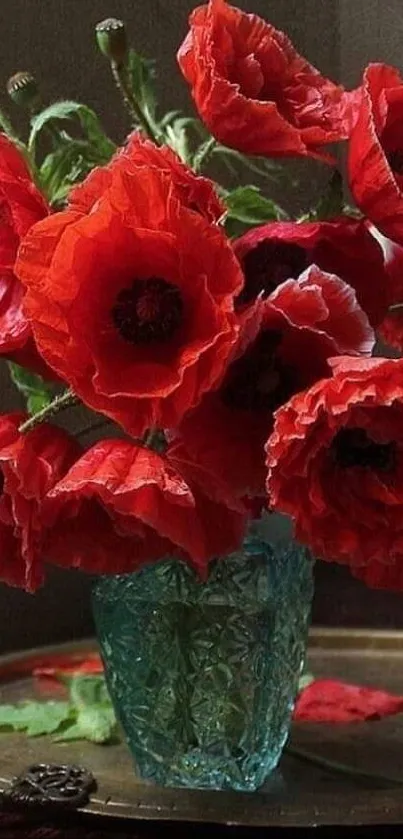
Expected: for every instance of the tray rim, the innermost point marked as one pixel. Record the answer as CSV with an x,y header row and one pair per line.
x,y
320,637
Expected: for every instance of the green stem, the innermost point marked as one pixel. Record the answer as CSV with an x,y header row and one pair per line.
x,y
66,400
343,769
203,154
138,117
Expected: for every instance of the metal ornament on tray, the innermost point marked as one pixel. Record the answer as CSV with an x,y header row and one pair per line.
x,y
57,785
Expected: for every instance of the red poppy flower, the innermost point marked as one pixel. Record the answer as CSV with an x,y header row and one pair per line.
x,y
194,191
252,89
140,507
391,328
21,205
132,303
30,465
376,151
279,251
301,325
335,462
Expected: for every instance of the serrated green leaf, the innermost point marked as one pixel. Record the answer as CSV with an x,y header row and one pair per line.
x,y
37,401
97,723
247,207
88,690
69,110
170,117
36,391
88,715
182,134
65,167
36,718
95,715
70,732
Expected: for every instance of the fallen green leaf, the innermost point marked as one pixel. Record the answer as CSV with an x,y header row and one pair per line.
x,y
36,718
87,715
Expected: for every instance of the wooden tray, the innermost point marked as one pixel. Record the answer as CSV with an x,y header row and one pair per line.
x,y
299,794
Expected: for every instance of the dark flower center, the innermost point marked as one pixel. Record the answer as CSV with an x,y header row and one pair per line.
x,y
353,447
268,265
395,160
148,312
259,380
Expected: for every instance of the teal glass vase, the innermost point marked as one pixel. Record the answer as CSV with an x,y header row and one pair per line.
x,y
203,676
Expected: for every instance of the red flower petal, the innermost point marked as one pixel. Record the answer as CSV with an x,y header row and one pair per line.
x,y
252,89
80,270
140,508
29,466
194,191
280,251
391,328
21,205
375,152
299,327
325,700
335,461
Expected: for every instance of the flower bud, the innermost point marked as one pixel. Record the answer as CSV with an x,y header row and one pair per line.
x,y
22,89
112,39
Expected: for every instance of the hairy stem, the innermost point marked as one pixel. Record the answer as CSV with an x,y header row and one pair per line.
x,y
120,76
60,403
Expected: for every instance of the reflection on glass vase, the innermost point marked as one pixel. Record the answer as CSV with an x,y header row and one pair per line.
x,y
203,676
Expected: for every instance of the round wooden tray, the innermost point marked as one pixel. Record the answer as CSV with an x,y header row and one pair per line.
x,y
299,794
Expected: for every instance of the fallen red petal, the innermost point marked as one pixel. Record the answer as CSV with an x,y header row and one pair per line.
x,y
325,700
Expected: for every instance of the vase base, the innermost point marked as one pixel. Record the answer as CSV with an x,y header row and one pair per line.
x,y
196,770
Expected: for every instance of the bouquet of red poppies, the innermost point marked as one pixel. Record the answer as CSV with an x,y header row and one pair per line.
x,y
221,352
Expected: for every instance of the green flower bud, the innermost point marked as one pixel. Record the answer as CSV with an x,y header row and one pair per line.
x,y
22,89
112,39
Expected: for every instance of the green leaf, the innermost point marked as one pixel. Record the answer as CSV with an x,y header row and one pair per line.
x,y
182,134
247,207
87,690
95,715
169,118
331,205
97,723
305,680
69,110
37,393
36,718
88,715
70,732
67,165
260,166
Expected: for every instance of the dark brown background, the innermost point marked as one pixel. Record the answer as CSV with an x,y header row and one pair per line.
x,y
54,39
